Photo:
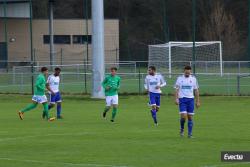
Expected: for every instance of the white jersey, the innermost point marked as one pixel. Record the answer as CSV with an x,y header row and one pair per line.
x,y
54,82
186,86
152,81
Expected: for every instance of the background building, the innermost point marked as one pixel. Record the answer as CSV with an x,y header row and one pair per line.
x,y
70,40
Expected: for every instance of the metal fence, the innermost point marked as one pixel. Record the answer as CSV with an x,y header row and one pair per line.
x,y
77,78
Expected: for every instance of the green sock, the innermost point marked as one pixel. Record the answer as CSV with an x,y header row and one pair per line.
x,y
46,110
29,107
114,113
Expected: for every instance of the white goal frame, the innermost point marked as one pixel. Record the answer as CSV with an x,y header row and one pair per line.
x,y
170,44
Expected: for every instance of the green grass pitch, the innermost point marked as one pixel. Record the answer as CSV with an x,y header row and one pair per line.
x,y
84,139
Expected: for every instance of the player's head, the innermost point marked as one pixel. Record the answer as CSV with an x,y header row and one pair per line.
x,y
187,71
113,71
57,71
151,70
44,70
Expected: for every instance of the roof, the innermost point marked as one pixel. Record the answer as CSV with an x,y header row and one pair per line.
x,y
13,1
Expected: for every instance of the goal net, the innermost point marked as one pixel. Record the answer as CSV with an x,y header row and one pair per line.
x,y
172,56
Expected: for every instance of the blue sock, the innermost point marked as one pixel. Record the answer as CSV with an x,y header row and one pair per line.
x,y
50,106
190,127
182,122
153,112
59,109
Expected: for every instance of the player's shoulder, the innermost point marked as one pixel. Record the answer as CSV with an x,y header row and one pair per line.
x,y
180,77
40,76
50,76
193,77
108,76
148,76
159,75
117,76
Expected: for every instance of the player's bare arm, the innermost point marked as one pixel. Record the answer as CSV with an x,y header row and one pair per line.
x,y
177,96
49,89
197,97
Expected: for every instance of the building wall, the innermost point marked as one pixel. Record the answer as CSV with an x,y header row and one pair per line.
x,y
19,50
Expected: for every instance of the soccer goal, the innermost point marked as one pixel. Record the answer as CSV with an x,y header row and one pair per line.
x,y
172,56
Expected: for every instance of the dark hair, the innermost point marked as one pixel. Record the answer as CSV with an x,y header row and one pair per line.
x,y
57,69
44,69
113,68
188,68
152,68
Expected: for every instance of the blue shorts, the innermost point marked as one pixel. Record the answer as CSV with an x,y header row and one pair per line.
x,y
155,99
56,98
186,105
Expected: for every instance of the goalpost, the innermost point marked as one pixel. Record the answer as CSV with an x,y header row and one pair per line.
x,y
171,56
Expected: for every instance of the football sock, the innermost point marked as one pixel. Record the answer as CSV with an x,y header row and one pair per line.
x,y
29,107
190,127
106,109
153,112
46,110
182,123
50,106
114,113
59,109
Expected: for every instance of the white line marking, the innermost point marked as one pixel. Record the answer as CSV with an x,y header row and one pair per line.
x,y
61,163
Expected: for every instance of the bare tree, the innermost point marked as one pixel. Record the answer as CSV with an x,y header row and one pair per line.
x,y
222,26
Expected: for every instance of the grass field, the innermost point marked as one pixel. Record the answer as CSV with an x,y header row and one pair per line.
x,y
84,139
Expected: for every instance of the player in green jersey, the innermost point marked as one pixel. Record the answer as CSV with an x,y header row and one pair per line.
x,y
111,84
39,96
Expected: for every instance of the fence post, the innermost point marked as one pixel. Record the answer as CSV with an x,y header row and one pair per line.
x,y
78,71
22,84
61,80
85,77
34,56
116,55
139,77
238,85
206,66
61,54
228,84
239,67
13,75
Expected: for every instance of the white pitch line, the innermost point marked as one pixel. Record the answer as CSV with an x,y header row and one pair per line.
x,y
228,164
61,163
46,135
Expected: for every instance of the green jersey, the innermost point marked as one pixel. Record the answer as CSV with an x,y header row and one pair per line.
x,y
40,85
113,82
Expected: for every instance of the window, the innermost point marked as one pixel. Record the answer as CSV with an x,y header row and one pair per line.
x,y
82,39
58,39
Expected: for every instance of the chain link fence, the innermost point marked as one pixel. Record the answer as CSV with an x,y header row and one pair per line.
x,y
77,78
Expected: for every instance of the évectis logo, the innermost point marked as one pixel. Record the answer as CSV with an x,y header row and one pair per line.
x,y
235,156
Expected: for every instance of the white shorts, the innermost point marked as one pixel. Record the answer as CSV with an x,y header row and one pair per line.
x,y
111,100
39,99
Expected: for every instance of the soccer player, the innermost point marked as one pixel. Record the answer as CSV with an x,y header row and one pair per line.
x,y
39,96
111,84
186,89
53,83
153,84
